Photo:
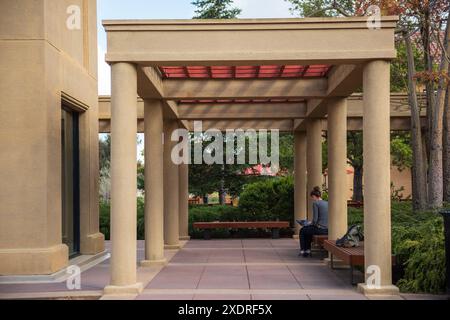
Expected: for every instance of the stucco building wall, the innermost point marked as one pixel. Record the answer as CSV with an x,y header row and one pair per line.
x,y
42,63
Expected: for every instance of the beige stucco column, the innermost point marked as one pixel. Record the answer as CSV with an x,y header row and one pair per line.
x,y
313,158
184,201
300,193
377,202
337,168
123,179
171,189
154,177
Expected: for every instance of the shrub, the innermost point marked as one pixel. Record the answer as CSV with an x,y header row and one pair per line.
x,y
204,213
105,218
104,213
418,244
270,199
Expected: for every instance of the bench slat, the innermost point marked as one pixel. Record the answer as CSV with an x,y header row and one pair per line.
x,y
241,225
352,256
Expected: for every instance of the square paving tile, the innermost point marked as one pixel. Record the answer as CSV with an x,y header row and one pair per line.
x,y
226,256
354,296
257,243
177,277
191,256
228,297
270,277
224,277
155,296
280,297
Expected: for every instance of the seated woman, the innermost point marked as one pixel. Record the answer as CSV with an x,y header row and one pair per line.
x,y
319,224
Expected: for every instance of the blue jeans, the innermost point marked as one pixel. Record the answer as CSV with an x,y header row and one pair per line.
x,y
306,234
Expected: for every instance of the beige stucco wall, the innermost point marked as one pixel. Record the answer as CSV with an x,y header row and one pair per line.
x,y
41,60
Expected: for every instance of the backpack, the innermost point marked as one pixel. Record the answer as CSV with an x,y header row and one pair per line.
x,y
352,238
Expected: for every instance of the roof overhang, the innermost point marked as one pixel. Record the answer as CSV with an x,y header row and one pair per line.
x,y
273,72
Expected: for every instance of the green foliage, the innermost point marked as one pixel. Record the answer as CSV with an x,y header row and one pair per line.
x,y
215,9
399,67
105,219
321,8
105,152
204,213
286,152
401,151
104,212
418,244
270,199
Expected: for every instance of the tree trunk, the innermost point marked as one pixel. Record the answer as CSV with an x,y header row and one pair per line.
x,y
222,194
446,152
358,183
418,170
428,63
435,179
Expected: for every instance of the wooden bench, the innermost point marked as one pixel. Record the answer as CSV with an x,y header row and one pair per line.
x,y
351,256
355,204
318,240
275,226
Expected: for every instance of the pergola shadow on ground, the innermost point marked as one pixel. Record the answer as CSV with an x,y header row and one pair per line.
x,y
286,74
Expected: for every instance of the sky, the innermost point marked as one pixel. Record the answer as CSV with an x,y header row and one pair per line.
x,y
168,9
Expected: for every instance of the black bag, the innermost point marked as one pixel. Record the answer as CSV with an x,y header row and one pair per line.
x,y
352,238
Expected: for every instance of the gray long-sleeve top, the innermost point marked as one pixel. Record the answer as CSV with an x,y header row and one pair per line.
x,y
320,214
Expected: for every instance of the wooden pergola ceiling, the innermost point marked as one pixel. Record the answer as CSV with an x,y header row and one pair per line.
x,y
245,72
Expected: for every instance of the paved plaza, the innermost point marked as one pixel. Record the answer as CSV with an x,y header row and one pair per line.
x,y
248,269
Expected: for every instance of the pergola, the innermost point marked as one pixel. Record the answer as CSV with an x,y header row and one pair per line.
x,y
286,74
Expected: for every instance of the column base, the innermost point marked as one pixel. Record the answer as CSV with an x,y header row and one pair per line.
x,y
172,246
389,290
93,244
153,263
31,261
185,238
136,288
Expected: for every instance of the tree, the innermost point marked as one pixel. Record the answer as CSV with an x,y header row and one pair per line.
x,y
419,169
212,9
322,8
215,9
446,150
436,183
422,25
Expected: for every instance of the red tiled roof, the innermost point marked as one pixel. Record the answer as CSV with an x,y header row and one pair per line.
x,y
245,72
243,101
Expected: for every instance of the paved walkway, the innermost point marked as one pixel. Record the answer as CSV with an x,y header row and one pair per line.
x,y
251,269
247,269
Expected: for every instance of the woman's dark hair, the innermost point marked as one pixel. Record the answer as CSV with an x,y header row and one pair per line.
x,y
316,192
